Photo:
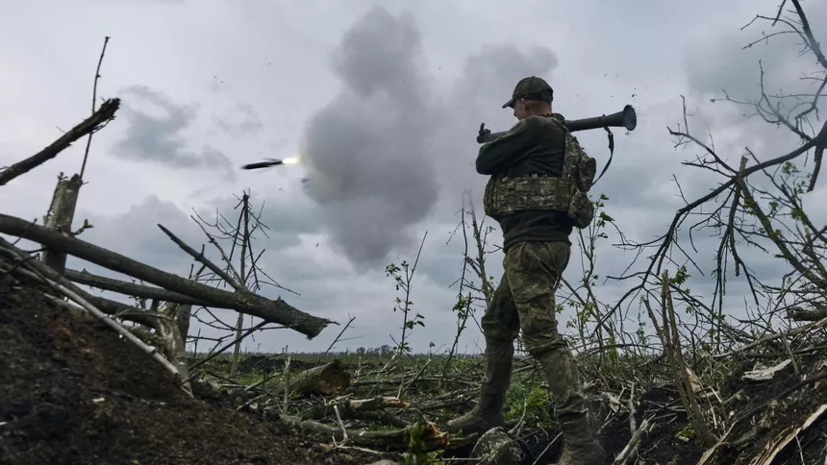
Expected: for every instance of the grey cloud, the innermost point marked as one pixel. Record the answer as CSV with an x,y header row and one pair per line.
x,y
283,215
737,73
485,83
158,138
248,123
489,75
723,63
135,234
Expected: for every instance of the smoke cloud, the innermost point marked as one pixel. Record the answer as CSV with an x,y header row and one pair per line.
x,y
365,150
383,150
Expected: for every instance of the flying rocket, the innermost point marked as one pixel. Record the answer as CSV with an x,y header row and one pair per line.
x,y
268,163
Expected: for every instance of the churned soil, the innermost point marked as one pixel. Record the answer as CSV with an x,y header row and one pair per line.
x,y
74,392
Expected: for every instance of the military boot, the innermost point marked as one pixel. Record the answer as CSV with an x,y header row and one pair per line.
x,y
488,412
580,447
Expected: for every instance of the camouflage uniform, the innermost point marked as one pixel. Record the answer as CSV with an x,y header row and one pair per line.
x,y
537,251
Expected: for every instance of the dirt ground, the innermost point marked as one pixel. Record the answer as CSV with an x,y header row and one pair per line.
x,y
72,393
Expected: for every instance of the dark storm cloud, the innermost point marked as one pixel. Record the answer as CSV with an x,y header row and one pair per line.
x,y
158,138
367,151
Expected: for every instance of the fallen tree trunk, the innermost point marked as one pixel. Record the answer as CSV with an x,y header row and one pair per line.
x,y
273,311
326,380
131,289
104,114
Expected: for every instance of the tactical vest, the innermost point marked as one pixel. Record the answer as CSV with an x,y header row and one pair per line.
x,y
568,193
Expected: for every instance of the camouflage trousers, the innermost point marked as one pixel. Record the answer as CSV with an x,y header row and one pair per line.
x,y
524,301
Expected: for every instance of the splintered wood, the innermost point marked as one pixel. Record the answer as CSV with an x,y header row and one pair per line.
x,y
777,444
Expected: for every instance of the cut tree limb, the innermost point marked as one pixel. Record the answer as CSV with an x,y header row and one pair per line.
x,y
105,113
273,311
173,331
137,290
800,314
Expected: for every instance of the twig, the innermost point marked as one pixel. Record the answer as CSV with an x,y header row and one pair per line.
x,y
337,337
94,98
548,446
771,337
341,423
515,431
405,386
227,346
204,260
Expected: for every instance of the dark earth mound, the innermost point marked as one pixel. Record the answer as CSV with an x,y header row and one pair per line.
x,y
72,392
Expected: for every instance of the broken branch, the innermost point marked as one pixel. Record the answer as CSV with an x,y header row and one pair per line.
x,y
105,113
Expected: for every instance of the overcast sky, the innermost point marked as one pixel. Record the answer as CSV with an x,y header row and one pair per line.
x,y
383,101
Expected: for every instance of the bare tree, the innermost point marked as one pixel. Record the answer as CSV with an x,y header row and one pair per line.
x,y
241,262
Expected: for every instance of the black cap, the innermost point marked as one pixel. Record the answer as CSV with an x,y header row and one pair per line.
x,y
531,88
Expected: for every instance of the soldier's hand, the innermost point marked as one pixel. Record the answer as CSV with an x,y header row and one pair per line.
x,y
484,131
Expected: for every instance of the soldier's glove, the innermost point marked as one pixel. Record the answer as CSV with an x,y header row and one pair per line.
x,y
483,131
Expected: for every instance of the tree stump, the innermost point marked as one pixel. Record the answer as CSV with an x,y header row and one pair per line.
x,y
60,216
326,380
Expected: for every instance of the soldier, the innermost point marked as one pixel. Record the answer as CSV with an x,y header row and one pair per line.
x,y
537,192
